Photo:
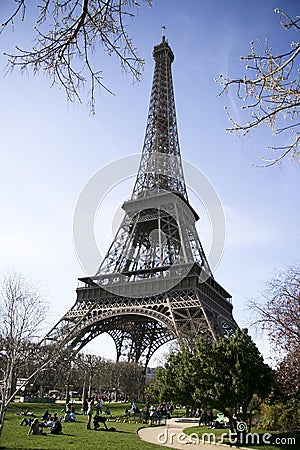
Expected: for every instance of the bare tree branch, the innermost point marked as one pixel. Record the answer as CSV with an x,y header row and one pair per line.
x,y
272,95
20,9
21,314
279,312
68,35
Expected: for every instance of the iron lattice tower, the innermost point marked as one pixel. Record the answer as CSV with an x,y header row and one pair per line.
x,y
154,284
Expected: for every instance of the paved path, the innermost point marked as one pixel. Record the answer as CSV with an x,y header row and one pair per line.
x,y
172,436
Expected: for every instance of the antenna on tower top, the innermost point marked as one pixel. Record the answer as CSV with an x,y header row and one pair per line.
x,y
163,31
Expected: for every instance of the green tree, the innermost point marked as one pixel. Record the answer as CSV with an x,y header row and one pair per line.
x,y
225,376
161,389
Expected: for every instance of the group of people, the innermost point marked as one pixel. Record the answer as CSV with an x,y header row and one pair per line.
x,y
96,415
54,423
133,411
49,421
148,411
70,414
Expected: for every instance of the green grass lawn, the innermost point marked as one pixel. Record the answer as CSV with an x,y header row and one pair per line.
x,y
284,441
75,435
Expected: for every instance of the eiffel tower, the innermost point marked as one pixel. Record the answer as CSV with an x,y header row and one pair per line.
x,y
154,285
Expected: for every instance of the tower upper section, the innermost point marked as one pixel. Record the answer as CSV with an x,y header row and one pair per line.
x,y
160,167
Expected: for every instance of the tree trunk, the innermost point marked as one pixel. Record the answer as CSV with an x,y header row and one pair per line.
x,y
2,414
232,421
67,392
90,386
83,392
6,391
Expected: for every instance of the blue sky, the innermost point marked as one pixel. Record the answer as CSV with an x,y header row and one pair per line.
x,y
51,148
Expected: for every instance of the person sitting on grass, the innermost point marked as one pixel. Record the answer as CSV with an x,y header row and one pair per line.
x,y
34,427
56,427
46,416
97,420
26,421
72,415
67,417
107,411
26,413
48,423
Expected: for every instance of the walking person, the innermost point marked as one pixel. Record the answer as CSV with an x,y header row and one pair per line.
x,y
90,412
99,406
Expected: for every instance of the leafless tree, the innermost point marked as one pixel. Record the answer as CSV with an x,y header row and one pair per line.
x,y
279,315
91,366
94,373
130,378
271,93
22,312
68,35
